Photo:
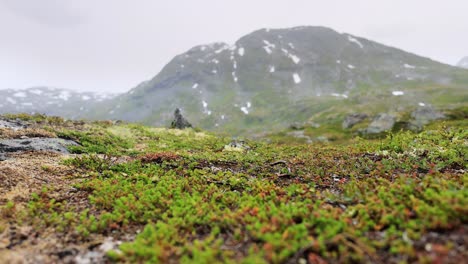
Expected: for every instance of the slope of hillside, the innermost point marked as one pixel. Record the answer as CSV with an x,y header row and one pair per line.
x,y
271,78
51,101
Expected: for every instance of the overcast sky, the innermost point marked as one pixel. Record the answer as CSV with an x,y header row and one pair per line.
x,y
112,45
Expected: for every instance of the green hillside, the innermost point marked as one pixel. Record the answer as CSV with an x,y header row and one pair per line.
x,y
270,79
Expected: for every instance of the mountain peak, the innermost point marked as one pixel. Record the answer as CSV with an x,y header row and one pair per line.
x,y
271,78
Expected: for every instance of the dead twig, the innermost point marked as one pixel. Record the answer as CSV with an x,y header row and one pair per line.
x,y
279,162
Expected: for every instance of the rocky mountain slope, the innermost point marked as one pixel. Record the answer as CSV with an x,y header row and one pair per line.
x,y
51,101
463,63
273,77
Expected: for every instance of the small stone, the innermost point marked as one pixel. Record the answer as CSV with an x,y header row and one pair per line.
x,y
428,247
236,145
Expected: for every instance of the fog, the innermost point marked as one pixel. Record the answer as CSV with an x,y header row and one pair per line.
x,y
112,45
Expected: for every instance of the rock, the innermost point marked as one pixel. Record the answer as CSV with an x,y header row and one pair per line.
x,y
179,121
98,255
422,116
322,139
300,134
12,124
39,144
237,145
297,126
313,124
352,119
381,123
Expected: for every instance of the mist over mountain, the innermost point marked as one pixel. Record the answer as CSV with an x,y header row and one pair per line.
x,y
51,101
463,63
271,78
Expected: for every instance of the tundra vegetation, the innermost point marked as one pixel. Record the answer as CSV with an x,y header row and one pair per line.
x,y
187,196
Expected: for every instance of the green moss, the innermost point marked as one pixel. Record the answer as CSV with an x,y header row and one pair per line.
x,y
196,203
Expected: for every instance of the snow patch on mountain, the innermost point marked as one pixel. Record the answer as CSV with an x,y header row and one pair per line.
x,y
293,57
234,77
268,46
297,78
35,91
241,51
20,94
205,108
355,41
339,95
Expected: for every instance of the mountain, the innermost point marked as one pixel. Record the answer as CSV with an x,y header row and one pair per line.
x,y
463,63
273,77
51,101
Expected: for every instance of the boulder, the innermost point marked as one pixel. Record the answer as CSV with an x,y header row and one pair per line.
x,y
352,119
12,124
422,116
300,134
35,144
296,126
381,123
179,121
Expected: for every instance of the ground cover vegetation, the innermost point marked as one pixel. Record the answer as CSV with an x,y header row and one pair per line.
x,y
188,196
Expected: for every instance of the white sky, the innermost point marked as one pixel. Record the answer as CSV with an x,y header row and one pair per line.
x,y
112,45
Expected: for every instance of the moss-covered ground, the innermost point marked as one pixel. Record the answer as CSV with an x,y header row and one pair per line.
x,y
182,196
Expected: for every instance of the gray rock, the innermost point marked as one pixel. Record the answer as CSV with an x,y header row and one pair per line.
x,y
352,119
13,124
300,134
179,121
322,139
427,113
98,255
35,144
423,116
296,126
237,145
313,124
381,123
